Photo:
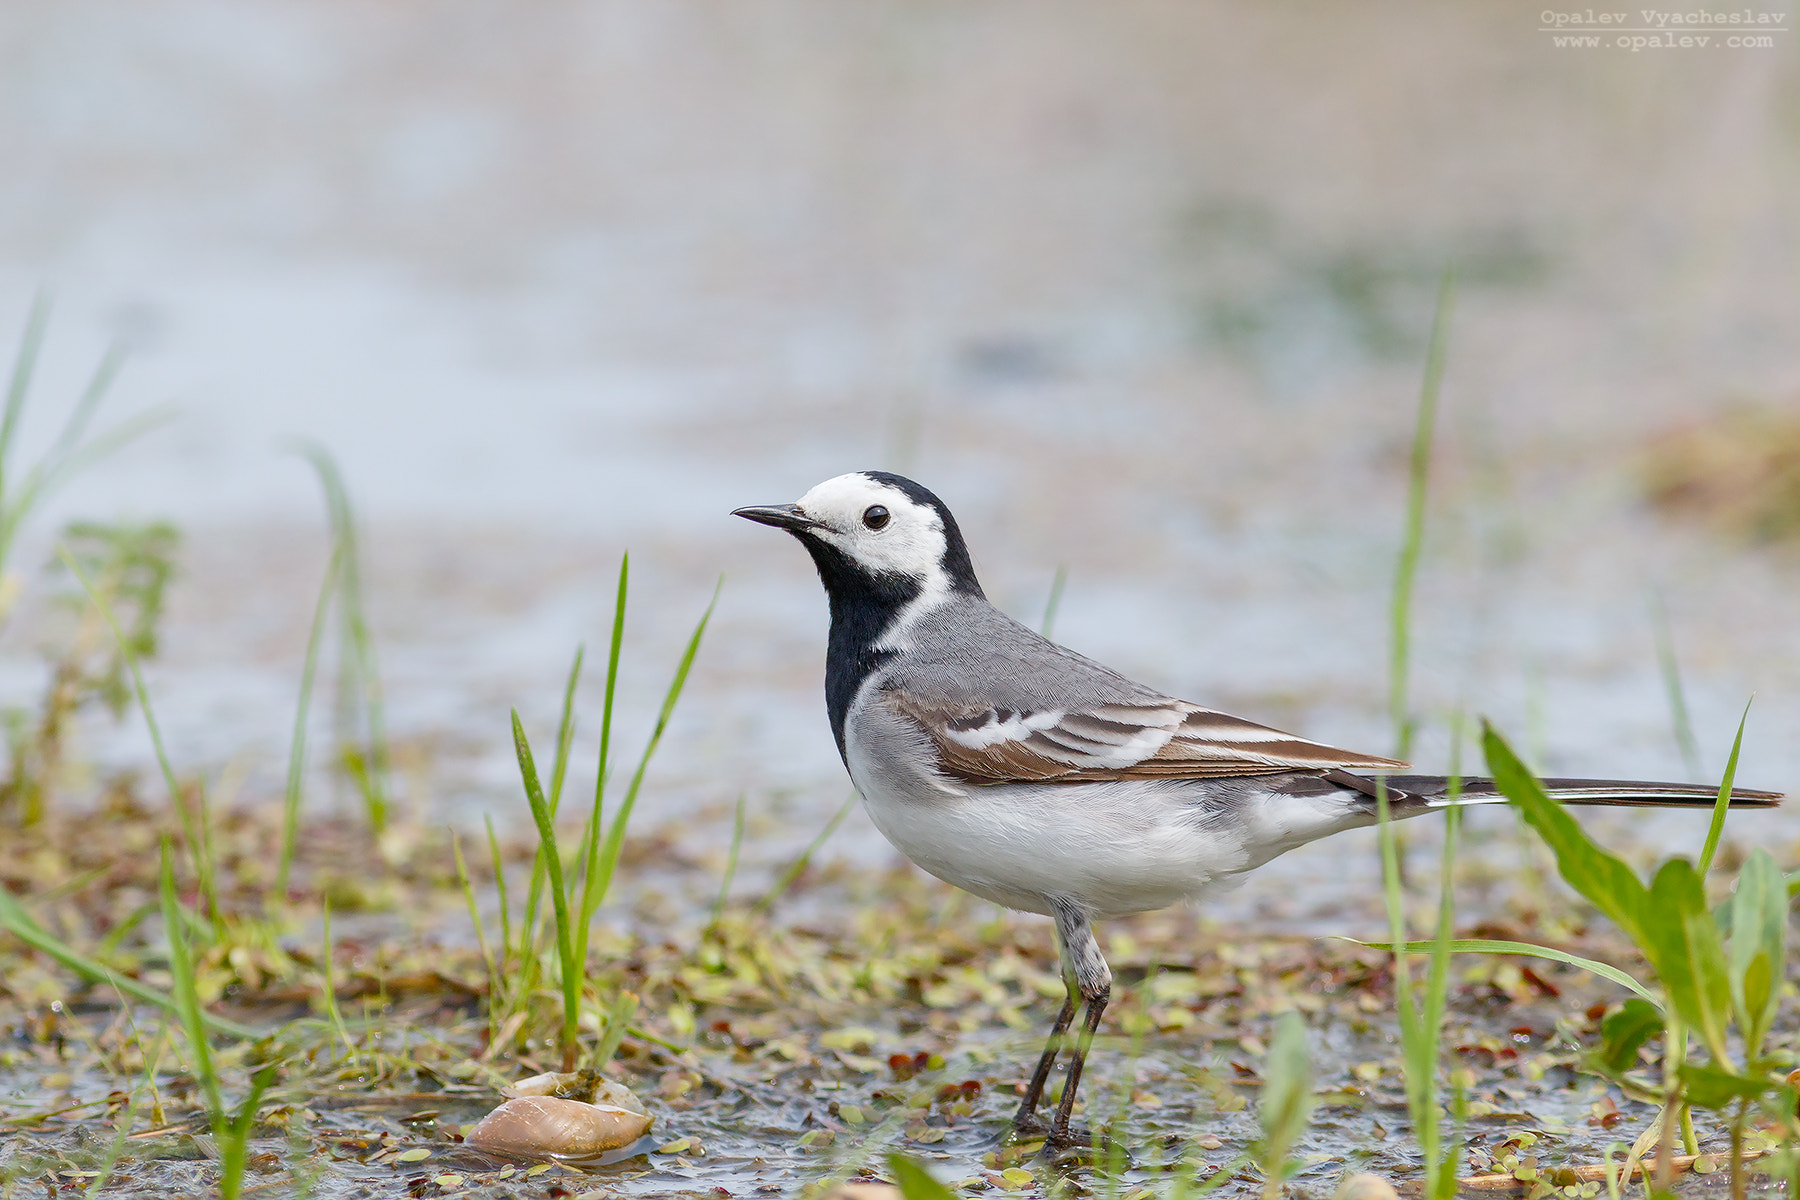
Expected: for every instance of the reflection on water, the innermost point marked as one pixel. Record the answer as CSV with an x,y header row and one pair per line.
x,y
1140,290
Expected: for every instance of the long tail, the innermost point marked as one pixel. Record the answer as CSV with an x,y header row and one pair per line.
x,y
1417,792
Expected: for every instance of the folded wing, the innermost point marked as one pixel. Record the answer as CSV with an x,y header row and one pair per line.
x,y
1164,739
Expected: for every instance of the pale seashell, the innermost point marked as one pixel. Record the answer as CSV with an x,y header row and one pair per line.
x,y
536,1126
1364,1186
547,1084
588,1085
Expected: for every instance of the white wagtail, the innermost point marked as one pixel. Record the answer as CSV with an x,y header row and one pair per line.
x,y
1036,778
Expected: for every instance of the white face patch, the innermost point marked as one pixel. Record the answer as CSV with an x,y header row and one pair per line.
x,y
911,543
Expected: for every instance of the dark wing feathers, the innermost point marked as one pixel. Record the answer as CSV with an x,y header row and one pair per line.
x,y
1160,739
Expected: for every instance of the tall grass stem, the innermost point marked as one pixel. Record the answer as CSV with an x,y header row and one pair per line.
x,y
1670,667
1406,569
359,675
296,772
1054,603
795,868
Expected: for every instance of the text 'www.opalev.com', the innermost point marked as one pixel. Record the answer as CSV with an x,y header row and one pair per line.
x,y
1663,29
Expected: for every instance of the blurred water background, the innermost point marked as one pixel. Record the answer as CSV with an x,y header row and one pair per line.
x,y
1140,289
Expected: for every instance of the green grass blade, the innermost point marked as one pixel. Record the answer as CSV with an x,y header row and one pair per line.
x,y
800,864
1440,1166
593,887
296,772
1717,829
1677,695
540,812
731,861
468,891
41,481
328,959
613,649
25,360
82,414
565,732
618,1022
600,879
1529,950
121,1134
234,1137
360,675
500,886
187,999
1055,602
591,834
1406,570
15,920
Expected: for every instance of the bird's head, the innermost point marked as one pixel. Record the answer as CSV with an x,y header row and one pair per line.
x,y
876,531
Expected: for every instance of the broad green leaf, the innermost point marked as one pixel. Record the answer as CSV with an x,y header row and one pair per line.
x,y
1755,995
914,1181
1681,940
1758,907
1624,1033
1710,1087
1500,946
1607,882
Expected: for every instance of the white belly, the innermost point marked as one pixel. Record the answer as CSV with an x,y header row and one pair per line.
x,y
1114,849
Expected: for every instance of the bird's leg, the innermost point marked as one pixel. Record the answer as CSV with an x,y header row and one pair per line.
x,y
1026,1123
1087,966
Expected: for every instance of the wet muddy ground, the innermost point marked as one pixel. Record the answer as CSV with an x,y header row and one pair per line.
x,y
866,1011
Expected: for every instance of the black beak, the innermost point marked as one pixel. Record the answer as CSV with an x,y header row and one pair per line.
x,y
781,516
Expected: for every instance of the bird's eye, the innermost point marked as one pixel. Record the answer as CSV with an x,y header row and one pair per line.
x,y
875,516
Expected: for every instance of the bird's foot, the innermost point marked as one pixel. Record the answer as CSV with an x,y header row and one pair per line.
x,y
1071,1144
1026,1128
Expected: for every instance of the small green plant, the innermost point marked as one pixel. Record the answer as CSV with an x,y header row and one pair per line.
x,y
130,565
1720,969
196,826
578,889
